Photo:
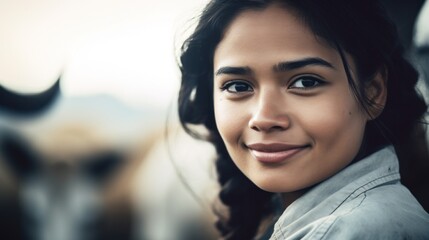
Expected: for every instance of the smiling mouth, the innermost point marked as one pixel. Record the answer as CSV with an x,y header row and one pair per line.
x,y
274,153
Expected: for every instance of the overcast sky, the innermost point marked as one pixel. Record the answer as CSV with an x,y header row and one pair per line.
x,y
120,47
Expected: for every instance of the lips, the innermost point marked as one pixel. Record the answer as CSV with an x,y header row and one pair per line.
x,y
275,152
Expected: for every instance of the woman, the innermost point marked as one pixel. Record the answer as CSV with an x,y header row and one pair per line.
x,y
306,102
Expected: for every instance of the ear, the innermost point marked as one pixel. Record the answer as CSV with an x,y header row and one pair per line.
x,y
376,92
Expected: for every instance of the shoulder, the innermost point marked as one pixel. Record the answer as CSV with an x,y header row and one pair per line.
x,y
386,212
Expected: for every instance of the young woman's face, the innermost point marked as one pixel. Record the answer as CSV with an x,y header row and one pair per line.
x,y
282,102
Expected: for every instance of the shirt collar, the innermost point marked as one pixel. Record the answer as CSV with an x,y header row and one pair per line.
x,y
321,200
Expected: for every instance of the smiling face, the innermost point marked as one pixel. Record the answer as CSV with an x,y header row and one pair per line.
x,y
282,102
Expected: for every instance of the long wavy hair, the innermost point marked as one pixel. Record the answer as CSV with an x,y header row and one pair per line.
x,y
356,27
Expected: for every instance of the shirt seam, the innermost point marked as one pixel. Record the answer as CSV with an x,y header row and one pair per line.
x,y
325,234
363,188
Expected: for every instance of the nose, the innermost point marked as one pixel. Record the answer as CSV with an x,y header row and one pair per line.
x,y
270,114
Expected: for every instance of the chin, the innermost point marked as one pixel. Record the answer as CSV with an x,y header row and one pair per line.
x,y
275,185
271,186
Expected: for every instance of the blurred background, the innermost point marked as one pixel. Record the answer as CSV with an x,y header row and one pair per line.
x,y
87,98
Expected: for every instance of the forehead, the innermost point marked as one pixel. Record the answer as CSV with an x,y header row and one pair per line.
x,y
275,15
275,30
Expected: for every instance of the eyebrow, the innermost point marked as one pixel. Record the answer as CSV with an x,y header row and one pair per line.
x,y
292,65
234,71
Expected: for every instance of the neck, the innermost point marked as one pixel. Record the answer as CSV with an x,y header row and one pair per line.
x,y
290,197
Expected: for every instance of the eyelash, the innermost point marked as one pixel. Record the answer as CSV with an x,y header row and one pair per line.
x,y
317,81
228,84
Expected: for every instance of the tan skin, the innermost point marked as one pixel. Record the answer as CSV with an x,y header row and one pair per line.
x,y
283,105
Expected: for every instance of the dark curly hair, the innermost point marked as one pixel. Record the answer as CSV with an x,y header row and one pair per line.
x,y
359,28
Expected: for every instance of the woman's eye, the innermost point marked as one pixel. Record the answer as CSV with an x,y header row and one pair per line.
x,y
306,82
237,87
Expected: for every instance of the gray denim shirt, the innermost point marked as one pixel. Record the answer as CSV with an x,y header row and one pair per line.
x,y
363,201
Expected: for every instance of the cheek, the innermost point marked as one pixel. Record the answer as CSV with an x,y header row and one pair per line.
x,y
228,119
334,120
